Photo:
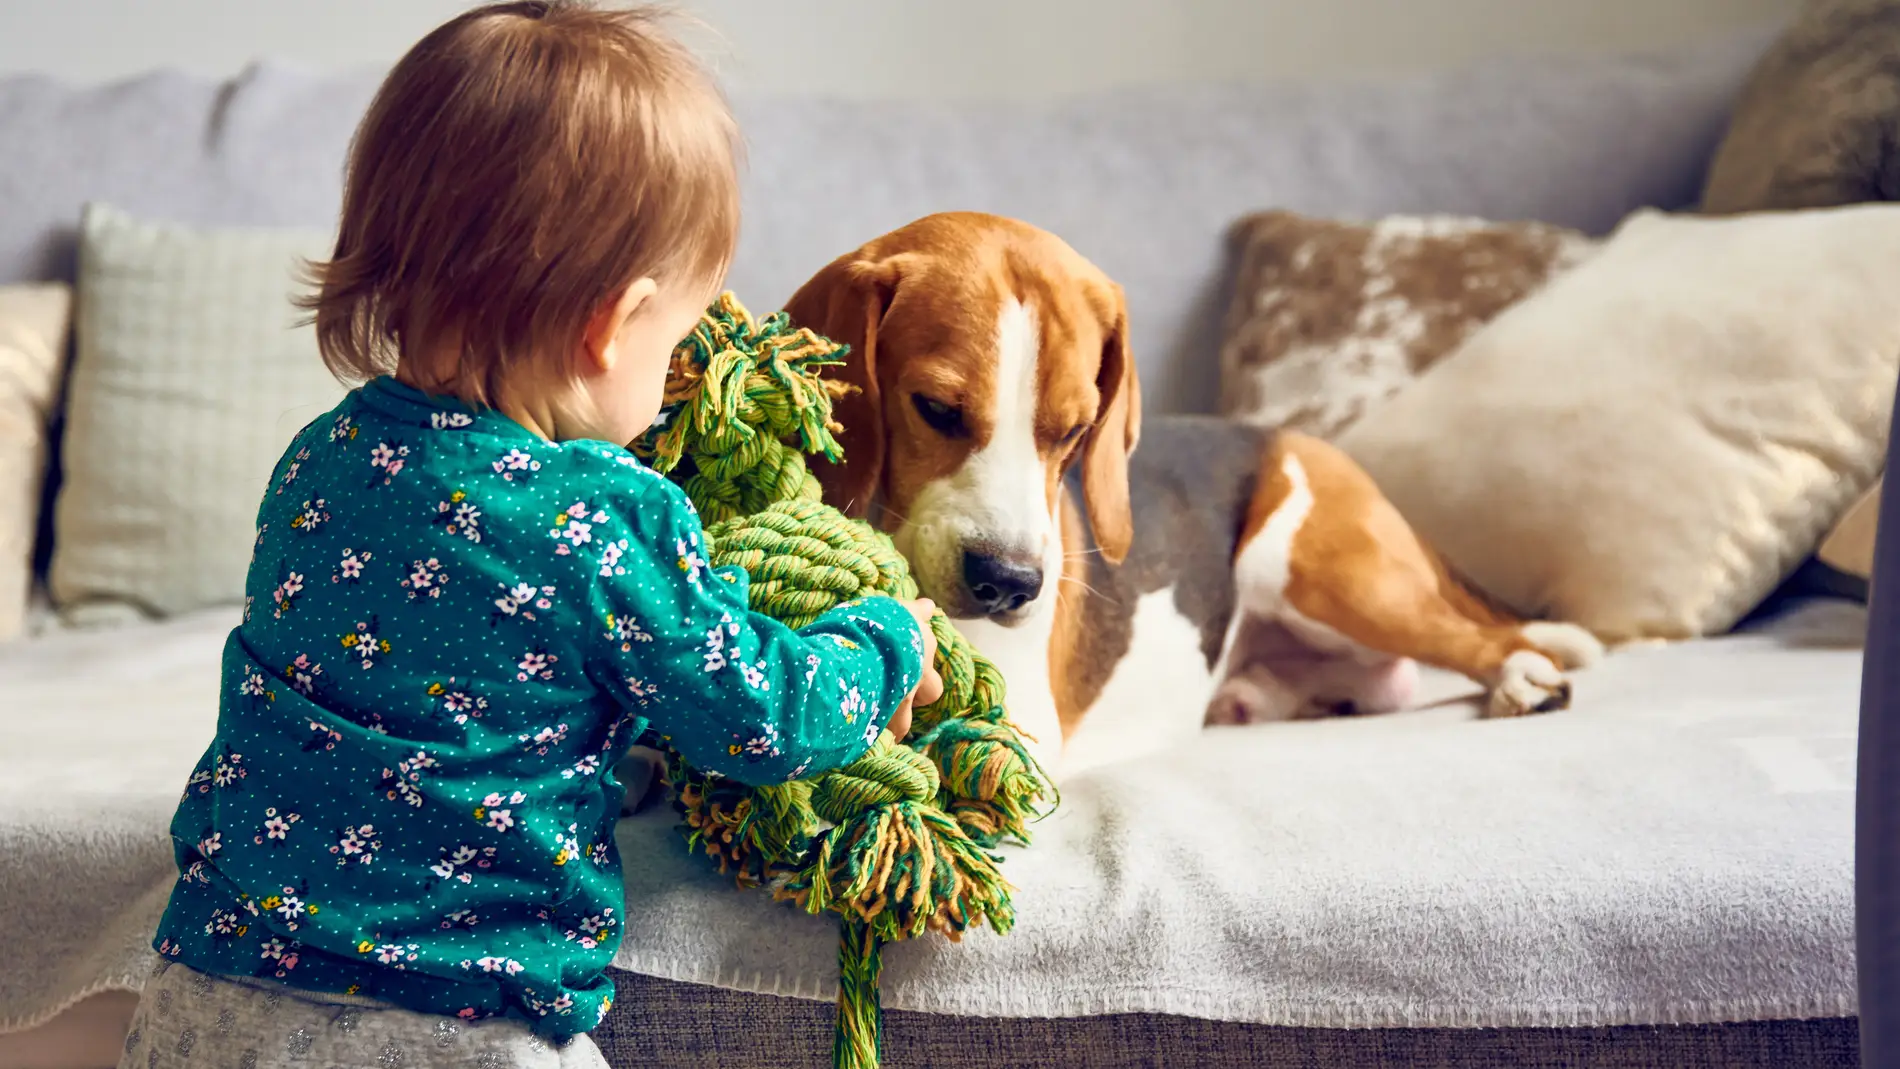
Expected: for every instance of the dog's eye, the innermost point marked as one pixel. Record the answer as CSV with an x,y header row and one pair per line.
x,y
942,418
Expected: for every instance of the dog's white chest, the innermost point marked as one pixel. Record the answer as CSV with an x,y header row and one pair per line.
x,y
1021,654
1155,697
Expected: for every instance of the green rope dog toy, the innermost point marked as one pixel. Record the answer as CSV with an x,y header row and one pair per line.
x,y
899,842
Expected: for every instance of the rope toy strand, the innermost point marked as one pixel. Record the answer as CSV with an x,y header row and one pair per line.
x,y
900,841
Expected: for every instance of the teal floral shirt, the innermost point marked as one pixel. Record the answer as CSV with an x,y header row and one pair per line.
x,y
453,630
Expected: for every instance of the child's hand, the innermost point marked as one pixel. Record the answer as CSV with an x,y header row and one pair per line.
x,y
930,687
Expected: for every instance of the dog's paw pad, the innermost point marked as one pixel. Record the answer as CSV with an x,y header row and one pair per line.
x,y
1236,702
1226,711
1252,698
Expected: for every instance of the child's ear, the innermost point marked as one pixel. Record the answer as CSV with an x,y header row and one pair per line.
x,y
597,341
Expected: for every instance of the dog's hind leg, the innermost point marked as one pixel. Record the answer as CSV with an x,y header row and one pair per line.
x,y
1357,570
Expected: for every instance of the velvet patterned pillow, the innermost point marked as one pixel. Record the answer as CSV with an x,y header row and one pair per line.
x,y
1329,318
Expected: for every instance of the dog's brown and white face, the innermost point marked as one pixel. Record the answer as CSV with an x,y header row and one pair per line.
x,y
989,357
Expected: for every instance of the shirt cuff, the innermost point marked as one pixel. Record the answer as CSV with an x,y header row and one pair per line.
x,y
903,642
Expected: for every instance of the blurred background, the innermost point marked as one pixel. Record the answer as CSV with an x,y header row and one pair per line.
x,y
881,49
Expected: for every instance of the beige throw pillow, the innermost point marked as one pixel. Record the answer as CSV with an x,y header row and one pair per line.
x,y
33,329
1849,547
1650,444
189,379
1330,317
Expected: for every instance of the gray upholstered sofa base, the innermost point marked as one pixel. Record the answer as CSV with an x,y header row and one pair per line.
x,y
661,1024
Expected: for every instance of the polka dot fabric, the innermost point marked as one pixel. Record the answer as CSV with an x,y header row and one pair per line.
x,y
452,630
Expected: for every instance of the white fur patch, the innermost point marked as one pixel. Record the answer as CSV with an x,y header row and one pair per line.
x,y
1527,683
1155,697
1266,563
1573,646
1007,481
1021,653
999,497
1265,566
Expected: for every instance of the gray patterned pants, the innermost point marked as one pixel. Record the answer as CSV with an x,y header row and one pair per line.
x,y
191,1020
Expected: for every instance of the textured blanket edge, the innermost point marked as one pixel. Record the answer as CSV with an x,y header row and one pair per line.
x,y
1024,1001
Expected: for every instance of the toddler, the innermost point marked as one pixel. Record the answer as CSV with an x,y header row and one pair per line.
x,y
466,601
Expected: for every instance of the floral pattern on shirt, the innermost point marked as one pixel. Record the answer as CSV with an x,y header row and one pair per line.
x,y
406,797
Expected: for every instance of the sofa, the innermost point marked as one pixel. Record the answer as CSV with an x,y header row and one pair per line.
x,y
1661,875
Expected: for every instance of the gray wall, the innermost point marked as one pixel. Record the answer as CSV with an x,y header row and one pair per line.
x,y
904,47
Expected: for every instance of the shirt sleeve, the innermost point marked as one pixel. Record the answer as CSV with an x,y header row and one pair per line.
x,y
738,693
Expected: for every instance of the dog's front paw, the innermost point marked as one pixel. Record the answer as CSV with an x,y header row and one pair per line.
x,y
1530,683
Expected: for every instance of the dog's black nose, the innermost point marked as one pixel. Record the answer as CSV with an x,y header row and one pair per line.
x,y
1001,584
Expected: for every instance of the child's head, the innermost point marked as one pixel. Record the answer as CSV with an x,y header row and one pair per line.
x,y
540,201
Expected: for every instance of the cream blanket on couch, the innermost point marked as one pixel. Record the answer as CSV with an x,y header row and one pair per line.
x,y
1677,848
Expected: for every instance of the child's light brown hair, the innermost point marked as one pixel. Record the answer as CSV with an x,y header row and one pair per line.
x,y
521,166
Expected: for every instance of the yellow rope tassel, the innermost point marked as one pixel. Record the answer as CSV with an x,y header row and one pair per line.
x,y
897,843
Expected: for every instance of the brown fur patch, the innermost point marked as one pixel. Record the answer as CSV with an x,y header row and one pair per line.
x,y
1358,568
919,307
1090,637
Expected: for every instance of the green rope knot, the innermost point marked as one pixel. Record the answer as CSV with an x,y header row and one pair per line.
x,y
746,402
896,843
805,559
886,774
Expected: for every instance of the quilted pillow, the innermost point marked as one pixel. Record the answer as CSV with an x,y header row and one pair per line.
x,y
1329,317
190,377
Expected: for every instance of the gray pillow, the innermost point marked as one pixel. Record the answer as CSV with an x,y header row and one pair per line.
x,y
191,376
1819,122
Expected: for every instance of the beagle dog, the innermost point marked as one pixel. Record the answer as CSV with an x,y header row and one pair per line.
x,y
1219,574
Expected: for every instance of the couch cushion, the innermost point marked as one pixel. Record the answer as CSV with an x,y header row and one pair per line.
x,y
660,1024
1144,182
191,377
33,327
1652,443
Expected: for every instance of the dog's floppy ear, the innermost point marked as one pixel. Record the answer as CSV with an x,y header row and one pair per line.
x,y
846,302
1113,438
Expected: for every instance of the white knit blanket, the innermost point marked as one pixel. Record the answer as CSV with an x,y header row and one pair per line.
x,y
1675,848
